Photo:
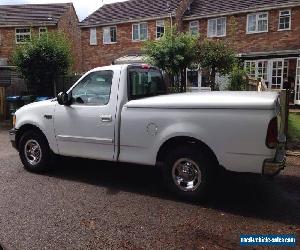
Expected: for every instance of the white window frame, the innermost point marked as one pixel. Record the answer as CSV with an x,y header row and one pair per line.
x,y
24,33
139,32
257,20
44,32
290,23
109,27
264,70
209,34
158,25
93,36
194,24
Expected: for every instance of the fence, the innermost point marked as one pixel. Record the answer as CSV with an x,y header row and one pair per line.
x,y
2,103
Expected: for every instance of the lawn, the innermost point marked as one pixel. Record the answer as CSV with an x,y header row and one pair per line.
x,y
294,127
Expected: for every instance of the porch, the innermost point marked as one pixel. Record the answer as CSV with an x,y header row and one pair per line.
x,y
278,70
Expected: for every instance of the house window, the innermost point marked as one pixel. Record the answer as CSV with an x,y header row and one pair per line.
x,y
257,69
257,23
93,36
286,69
110,35
262,70
284,20
42,31
23,35
194,27
140,32
160,28
250,69
216,27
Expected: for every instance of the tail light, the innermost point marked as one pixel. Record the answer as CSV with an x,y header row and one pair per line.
x,y
272,135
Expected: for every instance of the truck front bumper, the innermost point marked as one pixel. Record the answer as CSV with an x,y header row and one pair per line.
x,y
273,167
12,137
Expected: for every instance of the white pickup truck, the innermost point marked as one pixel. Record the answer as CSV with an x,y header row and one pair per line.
x,y
122,113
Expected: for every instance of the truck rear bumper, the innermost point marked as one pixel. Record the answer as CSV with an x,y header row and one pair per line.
x,y
273,167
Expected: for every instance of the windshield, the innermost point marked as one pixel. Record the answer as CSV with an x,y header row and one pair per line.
x,y
145,83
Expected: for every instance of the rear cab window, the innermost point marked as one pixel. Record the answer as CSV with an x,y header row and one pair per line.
x,y
145,81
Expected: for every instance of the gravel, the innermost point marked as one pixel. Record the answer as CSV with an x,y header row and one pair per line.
x,y
83,204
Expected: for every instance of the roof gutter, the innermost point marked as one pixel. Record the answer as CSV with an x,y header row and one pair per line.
x,y
228,13
278,53
26,25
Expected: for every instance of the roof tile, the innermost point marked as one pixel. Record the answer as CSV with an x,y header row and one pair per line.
x,y
131,10
202,8
32,14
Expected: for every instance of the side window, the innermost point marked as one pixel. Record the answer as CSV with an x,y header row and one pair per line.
x,y
94,89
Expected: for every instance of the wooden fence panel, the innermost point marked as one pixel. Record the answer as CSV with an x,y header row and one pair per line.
x,y
2,103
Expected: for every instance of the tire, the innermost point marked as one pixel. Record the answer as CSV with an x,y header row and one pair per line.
x,y
34,151
188,173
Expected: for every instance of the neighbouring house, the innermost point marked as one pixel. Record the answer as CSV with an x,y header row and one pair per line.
x,y
19,23
264,33
115,32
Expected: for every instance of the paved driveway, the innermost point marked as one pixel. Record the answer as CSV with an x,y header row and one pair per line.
x,y
95,205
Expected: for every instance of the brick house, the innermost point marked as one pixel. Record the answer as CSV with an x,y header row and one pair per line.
x,y
19,23
264,33
116,31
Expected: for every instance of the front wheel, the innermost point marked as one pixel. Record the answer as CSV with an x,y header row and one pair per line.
x,y
34,151
188,172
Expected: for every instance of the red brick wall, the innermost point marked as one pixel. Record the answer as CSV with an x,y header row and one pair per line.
x,y
69,25
105,54
270,41
8,40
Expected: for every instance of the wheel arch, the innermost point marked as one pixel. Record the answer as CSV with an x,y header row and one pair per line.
x,y
27,127
184,141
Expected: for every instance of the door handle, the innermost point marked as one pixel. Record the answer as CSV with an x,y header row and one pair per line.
x,y
106,118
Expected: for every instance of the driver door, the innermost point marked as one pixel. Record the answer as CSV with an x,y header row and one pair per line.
x,y
86,127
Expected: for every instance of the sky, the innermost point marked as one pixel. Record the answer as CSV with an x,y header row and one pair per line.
x,y
83,7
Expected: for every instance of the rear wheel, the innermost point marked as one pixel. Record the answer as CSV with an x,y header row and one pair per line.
x,y
34,151
188,172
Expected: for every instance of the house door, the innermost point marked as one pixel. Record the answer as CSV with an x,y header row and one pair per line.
x,y
277,74
297,84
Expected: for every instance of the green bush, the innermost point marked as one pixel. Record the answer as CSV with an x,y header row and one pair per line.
x,y
238,79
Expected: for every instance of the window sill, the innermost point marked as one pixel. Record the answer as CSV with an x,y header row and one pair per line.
x,y
256,32
110,43
284,29
139,41
216,36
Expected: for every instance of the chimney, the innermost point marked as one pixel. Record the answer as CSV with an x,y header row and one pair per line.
x,y
183,6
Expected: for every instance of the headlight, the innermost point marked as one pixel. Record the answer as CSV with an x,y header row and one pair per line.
x,y
14,121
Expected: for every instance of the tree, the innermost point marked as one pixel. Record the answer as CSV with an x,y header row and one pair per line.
x,y
173,53
217,57
43,59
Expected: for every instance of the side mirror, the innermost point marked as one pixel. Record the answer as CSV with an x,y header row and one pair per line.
x,y
63,99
